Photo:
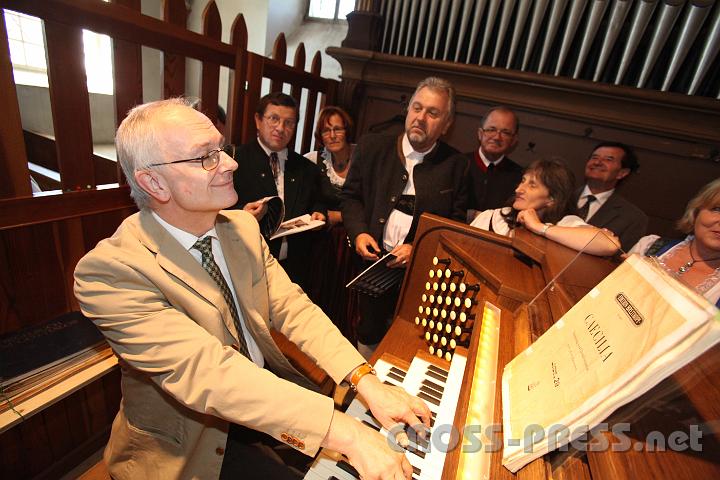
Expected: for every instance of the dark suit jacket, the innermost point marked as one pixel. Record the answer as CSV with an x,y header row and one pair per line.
x,y
254,180
621,217
378,176
492,192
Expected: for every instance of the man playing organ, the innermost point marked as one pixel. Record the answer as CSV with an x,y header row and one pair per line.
x,y
186,294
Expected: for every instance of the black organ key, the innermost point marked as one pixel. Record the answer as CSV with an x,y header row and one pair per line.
x,y
436,376
348,468
415,438
429,398
433,393
438,370
433,385
371,425
397,371
395,376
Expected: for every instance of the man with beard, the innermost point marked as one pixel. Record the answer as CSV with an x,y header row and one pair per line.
x,y
598,203
493,176
392,181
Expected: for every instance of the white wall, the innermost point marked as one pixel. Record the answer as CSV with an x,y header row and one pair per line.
x,y
317,36
283,16
255,13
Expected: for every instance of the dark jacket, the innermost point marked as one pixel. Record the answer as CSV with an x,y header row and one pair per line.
x,y
378,176
492,191
254,180
621,217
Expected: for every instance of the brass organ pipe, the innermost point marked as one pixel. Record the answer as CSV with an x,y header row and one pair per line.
x,y
440,26
668,16
538,14
522,14
596,14
395,15
709,52
489,22
617,19
479,7
508,7
463,28
386,13
412,26
403,23
691,27
421,18
431,24
454,11
576,10
556,14
639,24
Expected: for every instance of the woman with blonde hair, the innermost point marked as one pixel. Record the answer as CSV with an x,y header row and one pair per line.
x,y
695,259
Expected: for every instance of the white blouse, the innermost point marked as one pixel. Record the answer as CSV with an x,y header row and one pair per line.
x,y
485,219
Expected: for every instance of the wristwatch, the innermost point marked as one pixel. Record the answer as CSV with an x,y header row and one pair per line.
x,y
359,373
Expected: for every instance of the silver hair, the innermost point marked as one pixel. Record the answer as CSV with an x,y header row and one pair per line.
x,y
441,85
136,143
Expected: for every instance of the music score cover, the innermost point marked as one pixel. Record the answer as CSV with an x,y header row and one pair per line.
x,y
631,331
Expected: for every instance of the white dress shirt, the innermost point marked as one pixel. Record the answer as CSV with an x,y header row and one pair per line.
x,y
600,199
398,223
187,240
280,185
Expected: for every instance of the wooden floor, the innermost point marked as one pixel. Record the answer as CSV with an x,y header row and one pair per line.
x,y
93,468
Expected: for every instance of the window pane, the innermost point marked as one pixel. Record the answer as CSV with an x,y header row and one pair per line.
x,y
17,52
346,6
322,8
12,23
35,56
98,62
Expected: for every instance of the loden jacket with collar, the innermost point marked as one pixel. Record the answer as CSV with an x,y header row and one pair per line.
x,y
378,176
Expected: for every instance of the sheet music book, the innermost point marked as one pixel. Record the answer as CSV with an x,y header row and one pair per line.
x,y
378,278
296,225
631,331
35,354
273,218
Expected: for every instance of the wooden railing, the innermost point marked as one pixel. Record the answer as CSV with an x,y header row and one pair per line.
x,y
43,237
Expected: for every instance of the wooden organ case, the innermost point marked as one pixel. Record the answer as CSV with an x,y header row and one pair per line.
x,y
511,272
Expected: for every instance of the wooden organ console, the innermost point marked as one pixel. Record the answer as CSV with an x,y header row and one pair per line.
x,y
470,302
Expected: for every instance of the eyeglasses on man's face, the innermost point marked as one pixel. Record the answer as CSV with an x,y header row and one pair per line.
x,y
328,132
275,120
209,161
494,131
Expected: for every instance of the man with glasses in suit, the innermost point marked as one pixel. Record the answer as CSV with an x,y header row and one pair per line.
x,y
186,294
493,176
268,167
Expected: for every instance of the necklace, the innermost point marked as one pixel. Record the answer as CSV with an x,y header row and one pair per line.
x,y
689,264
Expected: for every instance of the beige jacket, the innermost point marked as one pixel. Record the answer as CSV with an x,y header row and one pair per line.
x,y
182,381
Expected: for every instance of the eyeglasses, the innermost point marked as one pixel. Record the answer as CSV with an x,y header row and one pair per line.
x,y
495,131
274,121
209,161
328,132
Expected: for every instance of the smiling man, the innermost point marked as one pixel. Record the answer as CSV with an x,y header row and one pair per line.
x,y
598,203
493,176
392,181
268,167
186,294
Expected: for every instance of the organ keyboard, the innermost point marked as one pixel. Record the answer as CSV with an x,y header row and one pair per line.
x,y
509,300
432,380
